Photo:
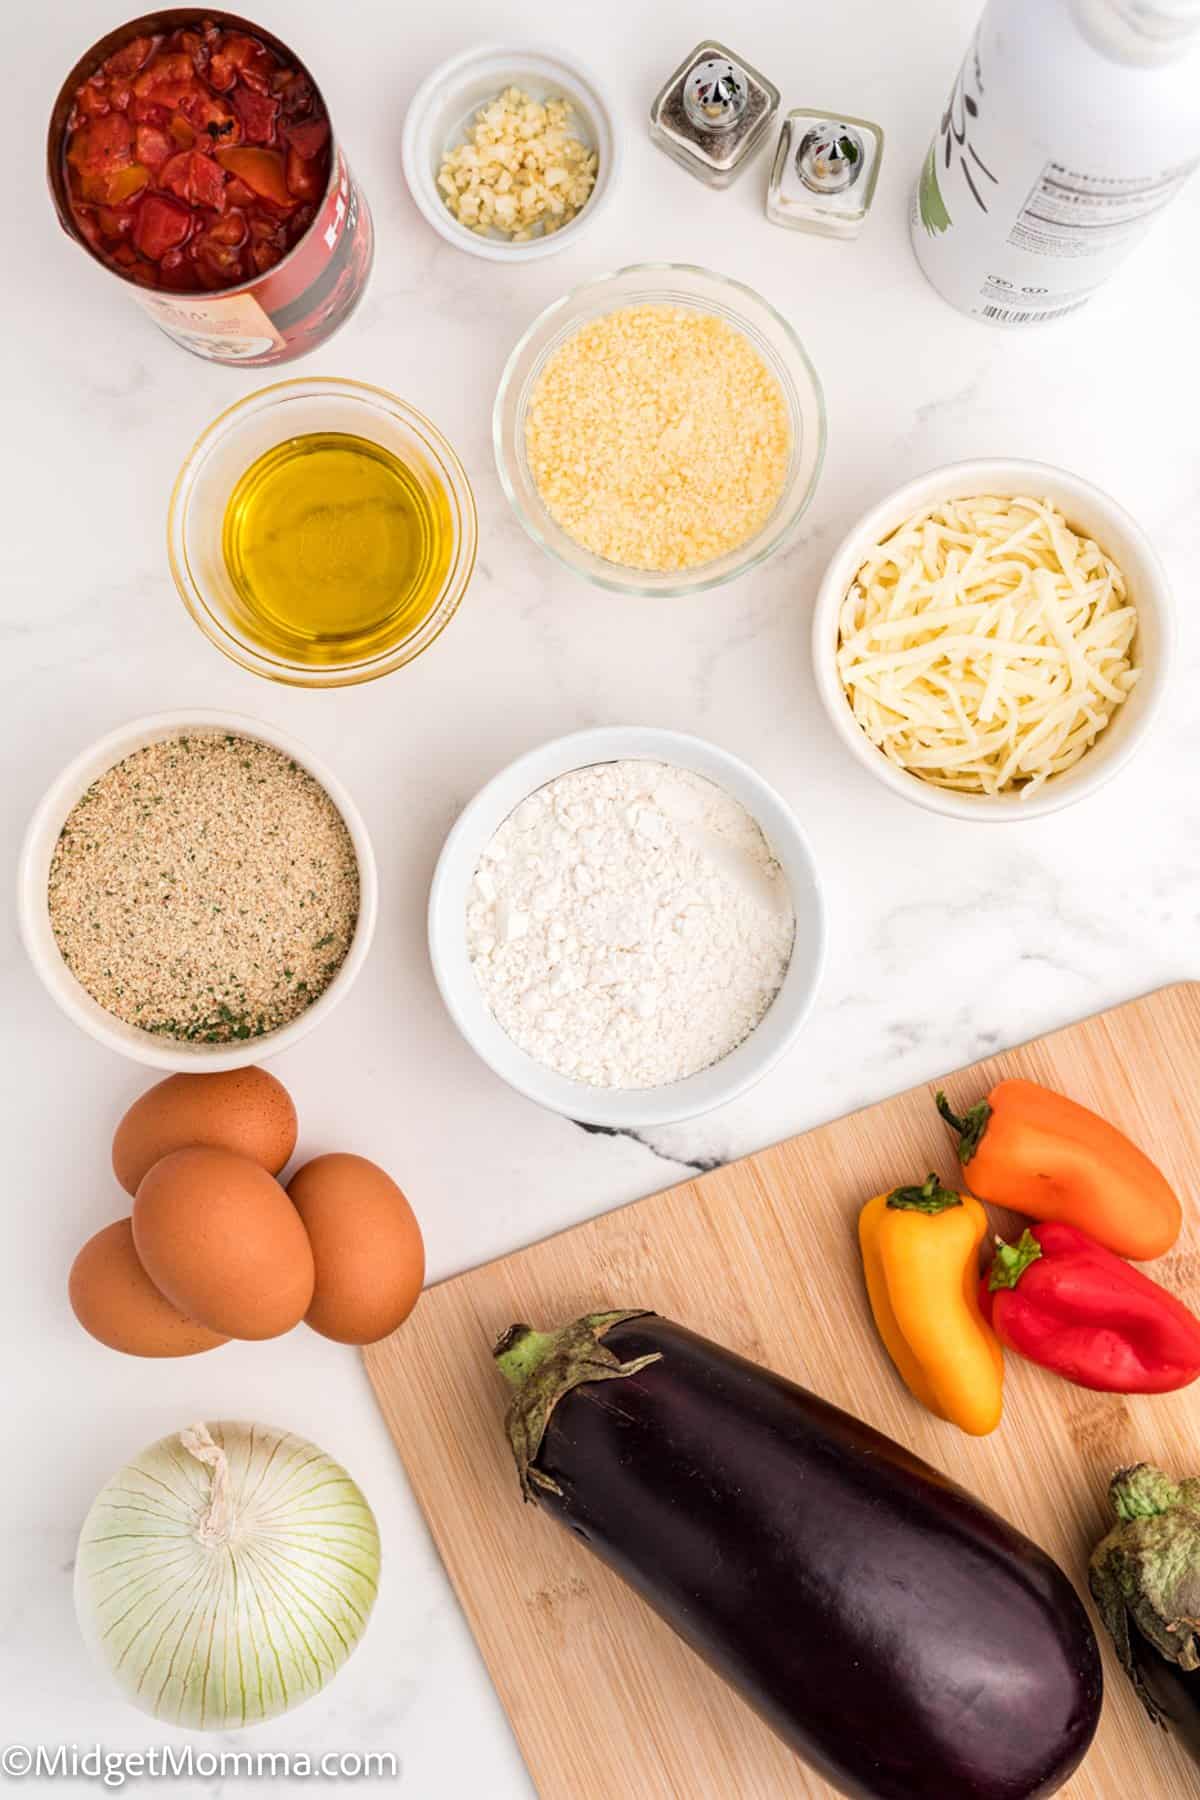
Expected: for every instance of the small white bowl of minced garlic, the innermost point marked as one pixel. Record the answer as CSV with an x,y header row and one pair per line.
x,y
510,152
992,641
196,891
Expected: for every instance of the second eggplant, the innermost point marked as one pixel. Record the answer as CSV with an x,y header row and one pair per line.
x,y
1145,1579
902,1638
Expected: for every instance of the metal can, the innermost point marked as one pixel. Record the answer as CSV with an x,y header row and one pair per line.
x,y
296,304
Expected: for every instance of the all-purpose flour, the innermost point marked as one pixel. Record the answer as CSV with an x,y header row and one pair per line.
x,y
629,925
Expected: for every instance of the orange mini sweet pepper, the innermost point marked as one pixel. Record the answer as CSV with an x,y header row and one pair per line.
x,y
920,1250
1041,1154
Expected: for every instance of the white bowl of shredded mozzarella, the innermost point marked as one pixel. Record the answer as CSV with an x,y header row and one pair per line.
x,y
992,639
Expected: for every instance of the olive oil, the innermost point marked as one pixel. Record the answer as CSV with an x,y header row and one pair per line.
x,y
337,550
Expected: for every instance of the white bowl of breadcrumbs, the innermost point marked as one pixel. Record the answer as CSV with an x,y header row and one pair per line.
x,y
197,891
660,430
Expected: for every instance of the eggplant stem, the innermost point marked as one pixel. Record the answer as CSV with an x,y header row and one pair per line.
x,y
1143,1576
542,1366
520,1351
1143,1492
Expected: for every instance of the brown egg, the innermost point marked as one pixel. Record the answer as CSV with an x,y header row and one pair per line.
x,y
243,1110
115,1299
222,1240
366,1244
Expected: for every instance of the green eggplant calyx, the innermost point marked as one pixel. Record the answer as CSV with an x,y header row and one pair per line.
x,y
1146,1572
970,1127
520,1352
1143,1492
930,1197
1012,1260
542,1366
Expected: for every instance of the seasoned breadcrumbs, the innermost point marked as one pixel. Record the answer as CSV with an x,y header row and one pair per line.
x,y
205,888
658,438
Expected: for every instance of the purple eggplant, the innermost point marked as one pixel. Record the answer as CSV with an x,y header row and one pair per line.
x,y
1172,1693
1145,1580
907,1642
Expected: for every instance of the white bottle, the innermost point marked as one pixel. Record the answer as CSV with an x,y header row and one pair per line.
x,y
1070,127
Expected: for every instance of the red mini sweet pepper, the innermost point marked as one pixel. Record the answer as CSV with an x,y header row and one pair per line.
x,y
1064,1301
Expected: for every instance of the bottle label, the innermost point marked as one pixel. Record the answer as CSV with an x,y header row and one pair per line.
x,y
1073,213
1017,218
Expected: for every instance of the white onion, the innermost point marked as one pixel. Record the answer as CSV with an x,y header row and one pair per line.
x,y
226,1574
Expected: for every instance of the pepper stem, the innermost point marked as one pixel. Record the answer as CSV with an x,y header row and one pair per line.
x,y
1012,1260
970,1127
930,1197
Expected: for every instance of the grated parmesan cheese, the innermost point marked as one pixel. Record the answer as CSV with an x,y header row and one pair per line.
x,y
984,645
658,437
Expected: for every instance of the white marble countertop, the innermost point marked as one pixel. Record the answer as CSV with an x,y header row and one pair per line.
x,y
946,940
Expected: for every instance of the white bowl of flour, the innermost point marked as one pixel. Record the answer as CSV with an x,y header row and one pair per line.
x,y
626,925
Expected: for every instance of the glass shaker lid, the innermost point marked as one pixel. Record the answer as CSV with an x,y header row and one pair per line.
x,y
829,157
715,94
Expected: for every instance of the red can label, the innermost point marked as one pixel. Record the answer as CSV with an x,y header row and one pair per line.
x,y
291,308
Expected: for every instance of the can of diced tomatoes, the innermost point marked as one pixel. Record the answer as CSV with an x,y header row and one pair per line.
x,y
191,154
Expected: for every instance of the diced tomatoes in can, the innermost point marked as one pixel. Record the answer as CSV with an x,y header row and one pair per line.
x,y
198,165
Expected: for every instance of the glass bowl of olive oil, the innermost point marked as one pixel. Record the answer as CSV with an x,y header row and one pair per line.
x,y
322,532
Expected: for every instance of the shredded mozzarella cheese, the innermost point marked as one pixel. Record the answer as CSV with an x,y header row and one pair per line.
x,y
984,645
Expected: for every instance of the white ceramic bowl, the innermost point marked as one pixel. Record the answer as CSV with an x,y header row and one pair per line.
x,y
440,115
1088,509
34,915
624,1109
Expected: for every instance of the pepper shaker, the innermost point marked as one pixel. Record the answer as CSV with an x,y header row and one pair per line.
x,y
824,174
712,113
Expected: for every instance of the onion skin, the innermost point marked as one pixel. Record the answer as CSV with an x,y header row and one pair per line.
x,y
226,1574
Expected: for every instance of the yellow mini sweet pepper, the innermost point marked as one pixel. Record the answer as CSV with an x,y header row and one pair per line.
x,y
920,1249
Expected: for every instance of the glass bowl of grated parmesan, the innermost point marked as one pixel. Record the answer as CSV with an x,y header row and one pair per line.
x,y
659,430
992,640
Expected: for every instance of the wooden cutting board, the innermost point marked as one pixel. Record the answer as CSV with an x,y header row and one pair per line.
x,y
606,1703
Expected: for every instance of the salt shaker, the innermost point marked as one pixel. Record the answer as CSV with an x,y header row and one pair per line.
x,y
713,113
824,174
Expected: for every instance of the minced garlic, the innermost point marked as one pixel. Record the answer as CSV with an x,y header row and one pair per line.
x,y
658,438
520,170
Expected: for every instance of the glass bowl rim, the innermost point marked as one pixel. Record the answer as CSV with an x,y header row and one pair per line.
x,y
693,581
459,490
